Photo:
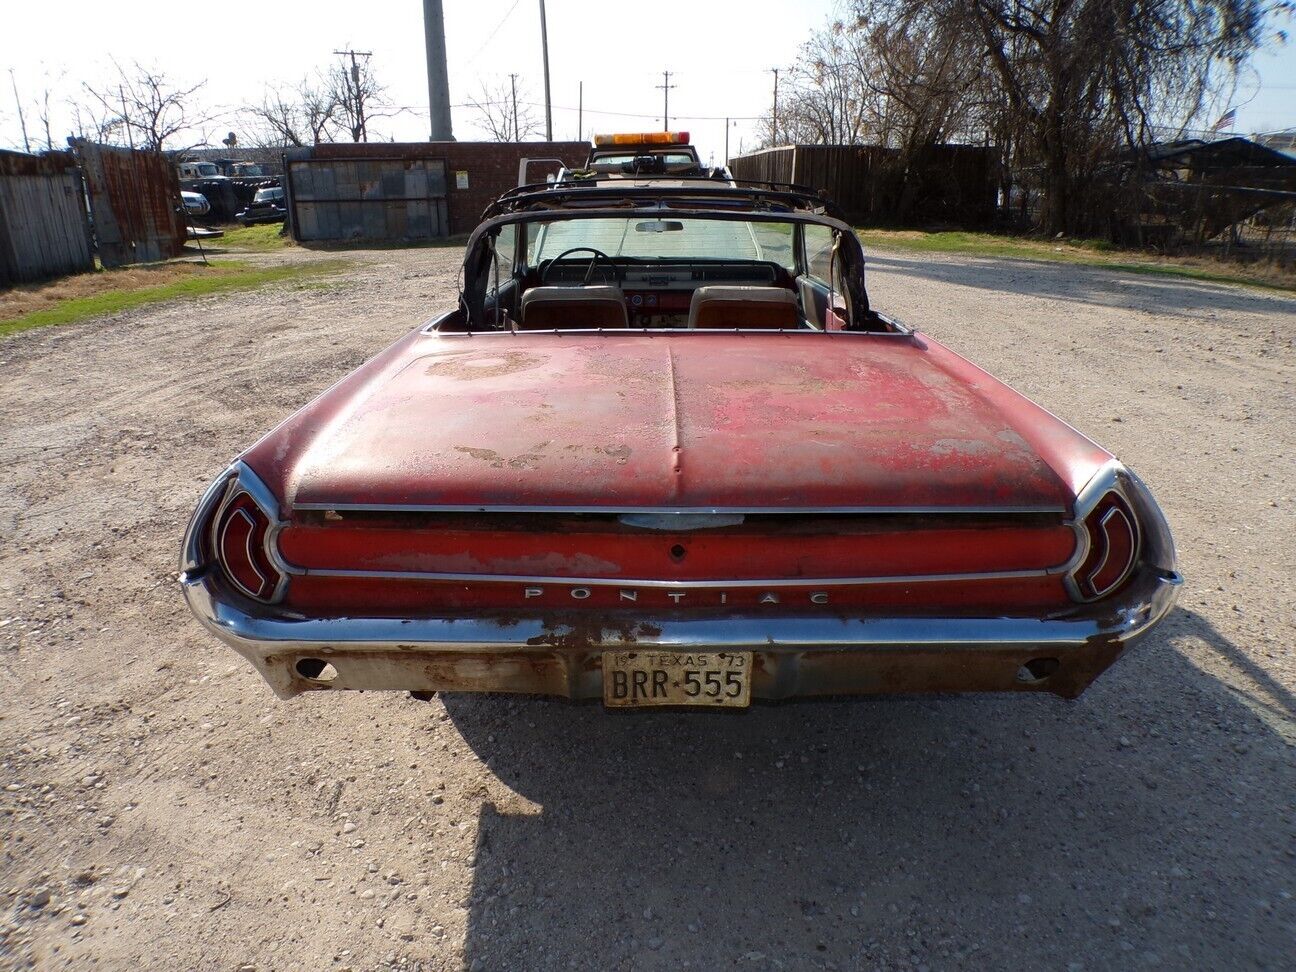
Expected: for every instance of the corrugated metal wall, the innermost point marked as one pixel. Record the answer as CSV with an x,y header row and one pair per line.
x,y
366,198
43,227
135,199
948,183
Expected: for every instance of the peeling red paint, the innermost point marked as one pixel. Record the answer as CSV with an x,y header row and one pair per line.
x,y
741,420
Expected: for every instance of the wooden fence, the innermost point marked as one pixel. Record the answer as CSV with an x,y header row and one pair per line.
x,y
43,227
135,199
955,184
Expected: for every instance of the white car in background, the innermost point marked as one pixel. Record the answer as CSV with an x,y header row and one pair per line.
x,y
195,203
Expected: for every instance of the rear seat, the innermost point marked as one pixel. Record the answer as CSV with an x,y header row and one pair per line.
x,y
768,308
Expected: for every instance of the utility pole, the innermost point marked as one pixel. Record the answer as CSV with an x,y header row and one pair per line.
x,y
665,87
21,121
130,138
356,93
774,125
438,77
726,141
544,50
580,111
517,136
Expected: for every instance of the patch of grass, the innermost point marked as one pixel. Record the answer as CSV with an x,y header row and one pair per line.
x,y
260,239
198,281
1092,253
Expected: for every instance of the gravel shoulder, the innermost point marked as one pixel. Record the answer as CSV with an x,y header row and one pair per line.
x,y
160,809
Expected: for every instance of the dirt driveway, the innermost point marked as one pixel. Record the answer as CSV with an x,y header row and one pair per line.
x,y
160,809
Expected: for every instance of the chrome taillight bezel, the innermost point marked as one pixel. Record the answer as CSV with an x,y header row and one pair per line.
x,y
238,492
1114,493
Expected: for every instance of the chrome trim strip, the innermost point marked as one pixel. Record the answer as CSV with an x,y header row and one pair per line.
x,y
220,545
682,510
650,331
430,326
1106,550
722,584
1115,511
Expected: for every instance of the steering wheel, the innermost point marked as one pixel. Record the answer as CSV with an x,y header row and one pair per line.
x,y
595,257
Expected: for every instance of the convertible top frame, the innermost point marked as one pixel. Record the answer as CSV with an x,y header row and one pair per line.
x,y
696,199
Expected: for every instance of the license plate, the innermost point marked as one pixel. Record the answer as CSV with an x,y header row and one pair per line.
x,y
645,678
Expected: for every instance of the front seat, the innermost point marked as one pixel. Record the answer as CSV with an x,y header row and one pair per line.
x,y
768,308
573,308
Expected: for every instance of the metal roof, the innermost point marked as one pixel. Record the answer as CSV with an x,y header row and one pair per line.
x,y
1226,153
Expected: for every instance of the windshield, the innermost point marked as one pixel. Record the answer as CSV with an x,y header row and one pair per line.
x,y
670,158
674,239
266,195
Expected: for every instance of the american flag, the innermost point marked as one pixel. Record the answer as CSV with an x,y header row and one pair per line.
x,y
1226,120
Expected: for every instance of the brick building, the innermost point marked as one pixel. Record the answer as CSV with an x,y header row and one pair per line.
x,y
403,191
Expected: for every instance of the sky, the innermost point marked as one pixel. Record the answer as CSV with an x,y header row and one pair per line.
x,y
719,56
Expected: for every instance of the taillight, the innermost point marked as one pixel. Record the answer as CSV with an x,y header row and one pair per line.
x,y
1113,548
240,541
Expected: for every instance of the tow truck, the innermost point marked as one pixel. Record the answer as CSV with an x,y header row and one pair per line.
x,y
631,155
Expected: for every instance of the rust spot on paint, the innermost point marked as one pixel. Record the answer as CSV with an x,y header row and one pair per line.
x,y
486,455
585,634
527,460
466,367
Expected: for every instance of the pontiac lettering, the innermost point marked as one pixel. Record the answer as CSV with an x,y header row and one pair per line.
x,y
700,596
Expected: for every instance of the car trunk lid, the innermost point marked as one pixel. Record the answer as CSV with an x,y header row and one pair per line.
x,y
696,421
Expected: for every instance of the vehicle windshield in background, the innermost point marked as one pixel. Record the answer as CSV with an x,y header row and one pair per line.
x,y
659,163
268,195
641,238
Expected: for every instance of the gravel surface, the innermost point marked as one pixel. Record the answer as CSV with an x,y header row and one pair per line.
x,y
160,809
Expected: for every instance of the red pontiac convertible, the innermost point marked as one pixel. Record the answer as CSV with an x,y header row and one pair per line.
x,y
664,452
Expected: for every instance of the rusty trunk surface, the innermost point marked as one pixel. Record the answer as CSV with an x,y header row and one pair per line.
x,y
696,420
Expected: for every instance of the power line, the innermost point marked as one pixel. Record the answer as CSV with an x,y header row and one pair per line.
x,y
491,36
417,109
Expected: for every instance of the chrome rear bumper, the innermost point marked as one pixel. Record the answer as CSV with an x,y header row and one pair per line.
x,y
800,655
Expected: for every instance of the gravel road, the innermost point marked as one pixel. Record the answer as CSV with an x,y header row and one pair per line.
x,y
160,809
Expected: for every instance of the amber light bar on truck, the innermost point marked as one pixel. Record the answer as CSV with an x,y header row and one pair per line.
x,y
642,138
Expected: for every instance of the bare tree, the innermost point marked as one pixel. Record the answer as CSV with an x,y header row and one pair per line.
x,y
359,96
822,97
43,112
148,106
92,123
1063,87
306,115
877,82
502,110
1081,80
